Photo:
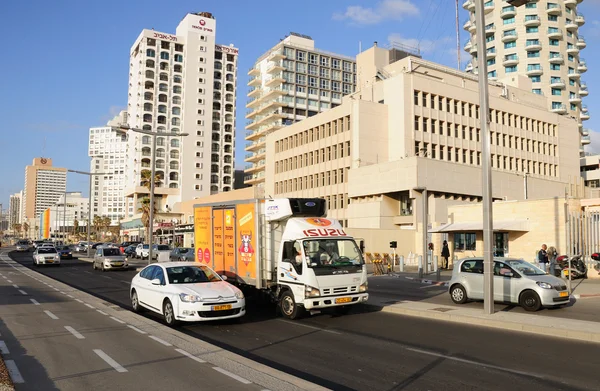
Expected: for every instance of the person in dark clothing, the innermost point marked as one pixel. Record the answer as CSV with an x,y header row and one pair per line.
x,y
542,258
445,255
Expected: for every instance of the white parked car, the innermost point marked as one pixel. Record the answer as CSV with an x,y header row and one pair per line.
x,y
515,281
142,251
181,291
46,256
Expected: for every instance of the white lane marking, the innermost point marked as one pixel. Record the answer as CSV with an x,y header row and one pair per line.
x,y
4,348
13,371
81,301
125,282
90,306
50,314
110,361
74,332
138,330
87,272
70,296
9,281
16,286
232,375
102,312
475,363
56,289
117,320
107,277
190,355
34,301
160,340
23,292
310,327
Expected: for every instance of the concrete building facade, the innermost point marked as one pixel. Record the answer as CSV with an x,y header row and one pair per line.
x,y
590,170
44,184
540,40
15,209
292,81
107,150
181,84
413,125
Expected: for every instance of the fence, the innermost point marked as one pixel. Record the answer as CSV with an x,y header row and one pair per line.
x,y
583,235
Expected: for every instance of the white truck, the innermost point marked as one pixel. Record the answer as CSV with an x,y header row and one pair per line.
x,y
284,247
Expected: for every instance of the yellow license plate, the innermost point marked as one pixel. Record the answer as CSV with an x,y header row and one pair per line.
x,y
118,264
49,261
221,307
343,300
564,294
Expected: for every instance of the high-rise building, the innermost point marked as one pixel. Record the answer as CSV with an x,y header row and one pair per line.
x,y
44,184
15,209
540,40
182,83
107,150
290,82
64,216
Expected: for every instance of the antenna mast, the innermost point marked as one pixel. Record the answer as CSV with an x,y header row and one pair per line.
x,y
457,38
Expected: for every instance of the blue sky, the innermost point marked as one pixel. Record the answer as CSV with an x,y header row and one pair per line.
x,y
65,64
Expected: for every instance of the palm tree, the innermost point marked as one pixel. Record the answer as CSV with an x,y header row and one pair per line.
x,y
105,224
145,211
36,232
16,228
97,223
26,229
146,176
75,226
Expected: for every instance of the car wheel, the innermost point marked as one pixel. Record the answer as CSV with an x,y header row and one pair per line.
x,y
103,268
94,265
458,294
530,301
135,303
288,306
169,314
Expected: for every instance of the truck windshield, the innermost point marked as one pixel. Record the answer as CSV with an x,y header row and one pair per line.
x,y
332,252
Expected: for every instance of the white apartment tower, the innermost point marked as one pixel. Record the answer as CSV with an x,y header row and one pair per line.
x,y
290,82
107,150
15,209
181,84
540,40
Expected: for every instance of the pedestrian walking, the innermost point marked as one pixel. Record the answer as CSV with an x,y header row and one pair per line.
x,y
445,255
552,254
542,258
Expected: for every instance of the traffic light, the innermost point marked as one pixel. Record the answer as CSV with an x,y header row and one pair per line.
x,y
393,244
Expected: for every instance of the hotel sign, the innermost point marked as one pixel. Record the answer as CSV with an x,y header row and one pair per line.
x,y
227,49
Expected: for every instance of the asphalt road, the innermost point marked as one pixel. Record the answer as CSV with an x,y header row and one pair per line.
x,y
368,350
399,288
58,343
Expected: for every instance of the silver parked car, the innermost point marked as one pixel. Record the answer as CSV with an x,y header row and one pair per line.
x,y
515,281
182,254
109,258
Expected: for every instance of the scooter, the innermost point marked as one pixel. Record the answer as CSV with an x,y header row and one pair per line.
x,y
596,258
578,267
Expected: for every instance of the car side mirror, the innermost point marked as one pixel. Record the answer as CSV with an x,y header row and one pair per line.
x,y
224,277
156,281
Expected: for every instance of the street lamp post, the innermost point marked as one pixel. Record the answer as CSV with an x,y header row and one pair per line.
x,y
90,203
152,175
486,166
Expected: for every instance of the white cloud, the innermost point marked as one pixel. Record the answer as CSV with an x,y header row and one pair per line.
x,y
384,10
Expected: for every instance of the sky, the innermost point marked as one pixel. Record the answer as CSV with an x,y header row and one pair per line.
x,y
66,62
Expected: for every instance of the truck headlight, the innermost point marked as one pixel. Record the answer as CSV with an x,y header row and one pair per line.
x,y
363,287
189,298
310,291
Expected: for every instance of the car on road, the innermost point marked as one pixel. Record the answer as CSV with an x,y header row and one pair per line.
x,y
37,243
109,258
81,247
46,256
186,292
47,245
159,249
515,281
142,251
129,251
183,254
64,252
23,245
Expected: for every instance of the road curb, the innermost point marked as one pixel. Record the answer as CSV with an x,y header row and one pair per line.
x,y
6,383
586,295
493,321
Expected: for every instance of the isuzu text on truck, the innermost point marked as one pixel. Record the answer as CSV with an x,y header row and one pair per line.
x,y
284,247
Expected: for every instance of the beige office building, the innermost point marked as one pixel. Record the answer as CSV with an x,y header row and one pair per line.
x,y
540,40
44,185
413,125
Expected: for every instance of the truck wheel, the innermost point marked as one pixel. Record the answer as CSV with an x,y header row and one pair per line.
x,y
288,306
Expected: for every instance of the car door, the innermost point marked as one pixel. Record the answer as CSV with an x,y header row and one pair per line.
x,y
97,258
157,292
505,279
143,285
472,277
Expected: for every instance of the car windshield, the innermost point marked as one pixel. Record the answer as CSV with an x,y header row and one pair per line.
x,y
162,247
525,268
111,252
63,248
332,252
22,243
146,246
191,275
47,250
184,250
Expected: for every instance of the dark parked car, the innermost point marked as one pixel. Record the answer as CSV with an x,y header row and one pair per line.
x,y
183,254
64,252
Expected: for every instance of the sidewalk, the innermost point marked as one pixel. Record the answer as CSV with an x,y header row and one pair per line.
x,y
411,296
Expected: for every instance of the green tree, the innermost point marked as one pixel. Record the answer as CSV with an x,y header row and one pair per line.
x,y
26,229
144,209
146,176
97,223
17,228
75,226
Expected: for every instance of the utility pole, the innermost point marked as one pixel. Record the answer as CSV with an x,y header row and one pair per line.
x,y
457,39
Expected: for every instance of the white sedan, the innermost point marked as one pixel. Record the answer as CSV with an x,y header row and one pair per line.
x,y
181,291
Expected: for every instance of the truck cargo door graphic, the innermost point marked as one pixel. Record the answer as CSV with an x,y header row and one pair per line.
x,y
203,234
229,243
246,237
218,256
